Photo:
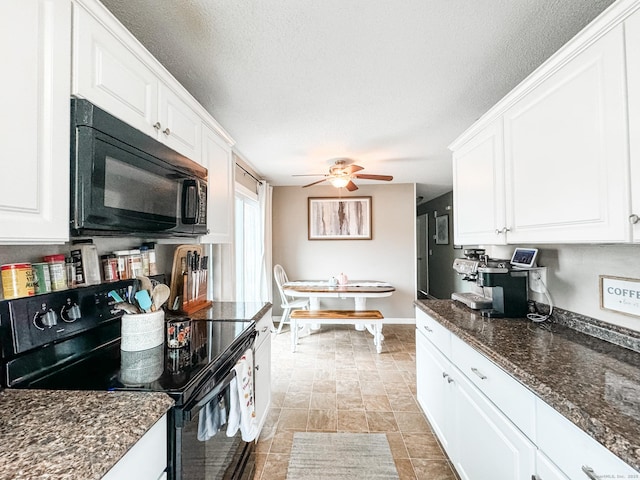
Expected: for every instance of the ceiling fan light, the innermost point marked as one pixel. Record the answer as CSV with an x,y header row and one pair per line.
x,y
339,182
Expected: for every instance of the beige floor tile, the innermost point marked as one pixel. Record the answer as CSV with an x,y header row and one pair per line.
x,y
396,442
281,442
324,386
293,419
372,388
323,401
323,421
432,469
297,400
412,422
422,445
275,467
350,401
405,469
379,403
352,421
381,422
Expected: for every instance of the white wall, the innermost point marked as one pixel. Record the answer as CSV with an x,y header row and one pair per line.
x,y
389,256
573,271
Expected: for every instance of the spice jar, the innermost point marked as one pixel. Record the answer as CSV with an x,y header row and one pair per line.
x,y
135,263
144,252
122,262
41,277
17,280
109,267
57,271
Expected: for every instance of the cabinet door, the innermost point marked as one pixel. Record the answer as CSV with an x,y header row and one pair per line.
x,y
546,469
262,379
180,126
487,444
478,189
110,75
34,125
565,152
220,208
632,31
433,388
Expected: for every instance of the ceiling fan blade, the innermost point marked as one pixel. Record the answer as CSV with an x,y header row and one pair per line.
x,y
314,183
386,178
351,186
349,169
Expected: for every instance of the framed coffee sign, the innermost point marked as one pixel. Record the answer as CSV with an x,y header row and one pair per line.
x,y
620,294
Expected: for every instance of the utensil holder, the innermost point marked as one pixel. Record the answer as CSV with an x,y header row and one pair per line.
x,y
142,331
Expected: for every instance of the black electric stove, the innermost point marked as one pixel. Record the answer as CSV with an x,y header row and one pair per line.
x,y
70,340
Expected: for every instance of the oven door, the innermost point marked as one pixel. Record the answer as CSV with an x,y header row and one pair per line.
x,y
203,451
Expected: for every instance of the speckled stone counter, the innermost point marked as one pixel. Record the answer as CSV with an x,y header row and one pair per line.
x,y
232,311
71,434
593,383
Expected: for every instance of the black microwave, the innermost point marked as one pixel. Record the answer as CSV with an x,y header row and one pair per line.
x,y
124,182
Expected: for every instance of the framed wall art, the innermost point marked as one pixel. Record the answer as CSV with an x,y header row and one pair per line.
x,y
334,218
442,230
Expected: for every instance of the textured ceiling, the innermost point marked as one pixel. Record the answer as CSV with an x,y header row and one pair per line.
x,y
387,83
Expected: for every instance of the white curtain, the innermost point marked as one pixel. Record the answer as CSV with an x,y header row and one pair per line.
x,y
265,193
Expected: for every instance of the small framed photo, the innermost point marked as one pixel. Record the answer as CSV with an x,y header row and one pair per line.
x,y
442,230
333,218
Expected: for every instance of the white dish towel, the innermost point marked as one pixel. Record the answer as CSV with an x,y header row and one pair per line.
x,y
242,413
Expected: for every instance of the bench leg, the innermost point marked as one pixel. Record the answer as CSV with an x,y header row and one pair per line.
x,y
377,339
293,325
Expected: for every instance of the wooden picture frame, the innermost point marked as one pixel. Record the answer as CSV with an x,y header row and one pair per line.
x,y
336,218
442,230
620,294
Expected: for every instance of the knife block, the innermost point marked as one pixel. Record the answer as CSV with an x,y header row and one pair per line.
x,y
188,286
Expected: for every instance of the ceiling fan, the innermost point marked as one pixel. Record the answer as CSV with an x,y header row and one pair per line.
x,y
342,174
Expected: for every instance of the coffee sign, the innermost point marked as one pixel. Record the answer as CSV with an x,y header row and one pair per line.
x,y
620,294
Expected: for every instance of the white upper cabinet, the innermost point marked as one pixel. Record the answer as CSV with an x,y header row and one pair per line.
x,y
478,193
217,158
34,125
113,71
565,143
566,152
632,30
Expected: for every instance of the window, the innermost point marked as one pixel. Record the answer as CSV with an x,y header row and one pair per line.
x,y
248,250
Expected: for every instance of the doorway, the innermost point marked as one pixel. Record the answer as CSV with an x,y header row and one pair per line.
x,y
422,242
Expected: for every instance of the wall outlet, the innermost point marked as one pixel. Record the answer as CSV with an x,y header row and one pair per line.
x,y
538,279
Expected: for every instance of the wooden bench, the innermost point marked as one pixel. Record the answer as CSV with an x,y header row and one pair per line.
x,y
371,319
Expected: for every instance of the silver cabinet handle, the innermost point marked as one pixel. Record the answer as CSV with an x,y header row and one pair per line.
x,y
589,472
498,231
428,329
535,477
157,126
257,367
264,329
633,219
445,374
449,379
479,373
166,131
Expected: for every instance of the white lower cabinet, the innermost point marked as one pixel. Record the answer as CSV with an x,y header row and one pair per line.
x,y
147,459
262,363
573,451
486,443
479,439
493,427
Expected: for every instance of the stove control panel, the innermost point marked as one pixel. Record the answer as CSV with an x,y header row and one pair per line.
x,y
32,322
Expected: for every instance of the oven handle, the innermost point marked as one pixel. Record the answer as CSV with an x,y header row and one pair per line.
x,y
189,413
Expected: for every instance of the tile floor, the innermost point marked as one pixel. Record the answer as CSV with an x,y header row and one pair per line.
x,y
335,382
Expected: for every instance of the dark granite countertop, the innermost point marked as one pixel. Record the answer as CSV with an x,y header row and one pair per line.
x,y
593,383
71,434
233,311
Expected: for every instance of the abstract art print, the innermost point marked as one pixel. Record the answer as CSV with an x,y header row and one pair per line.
x,y
333,218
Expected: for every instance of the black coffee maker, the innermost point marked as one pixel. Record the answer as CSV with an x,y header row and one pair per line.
x,y
509,291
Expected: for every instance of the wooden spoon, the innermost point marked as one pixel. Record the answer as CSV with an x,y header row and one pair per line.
x,y
160,295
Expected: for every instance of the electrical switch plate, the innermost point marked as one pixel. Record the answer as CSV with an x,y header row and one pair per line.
x,y
538,279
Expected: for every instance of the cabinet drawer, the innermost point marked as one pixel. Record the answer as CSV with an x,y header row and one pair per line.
x,y
514,399
436,333
555,433
263,327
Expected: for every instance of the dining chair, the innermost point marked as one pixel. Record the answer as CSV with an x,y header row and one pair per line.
x,y
288,303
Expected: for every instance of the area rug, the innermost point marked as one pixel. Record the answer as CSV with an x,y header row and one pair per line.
x,y
341,456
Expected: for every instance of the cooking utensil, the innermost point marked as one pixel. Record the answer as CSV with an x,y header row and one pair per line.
x,y
113,294
160,295
144,300
145,284
127,307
